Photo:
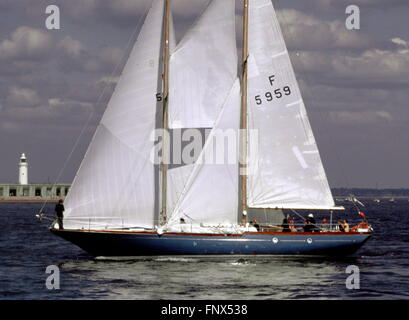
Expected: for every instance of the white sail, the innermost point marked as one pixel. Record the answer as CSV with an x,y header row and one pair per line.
x,y
211,194
203,69
114,186
286,171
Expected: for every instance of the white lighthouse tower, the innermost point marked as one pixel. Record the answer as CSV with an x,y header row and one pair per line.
x,y
23,170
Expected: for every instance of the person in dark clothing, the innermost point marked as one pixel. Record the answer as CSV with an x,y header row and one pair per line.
x,y
312,226
308,226
311,218
59,210
286,225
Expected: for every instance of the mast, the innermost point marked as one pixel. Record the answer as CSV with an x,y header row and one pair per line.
x,y
243,124
165,144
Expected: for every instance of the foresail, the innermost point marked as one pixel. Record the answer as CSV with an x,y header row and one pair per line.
x,y
285,169
114,186
210,195
203,68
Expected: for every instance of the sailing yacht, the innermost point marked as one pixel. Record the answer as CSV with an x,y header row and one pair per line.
x,y
122,203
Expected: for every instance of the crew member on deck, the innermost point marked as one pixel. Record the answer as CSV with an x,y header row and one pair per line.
x,y
291,223
59,210
311,224
340,227
308,226
286,225
255,224
346,225
324,225
311,218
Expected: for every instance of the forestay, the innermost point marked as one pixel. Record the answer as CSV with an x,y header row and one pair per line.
x,y
114,186
285,171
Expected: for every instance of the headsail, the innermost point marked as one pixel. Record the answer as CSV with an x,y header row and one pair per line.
x,y
114,186
211,192
203,69
286,171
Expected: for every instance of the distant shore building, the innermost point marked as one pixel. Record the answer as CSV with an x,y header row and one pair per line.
x,y
25,191
38,191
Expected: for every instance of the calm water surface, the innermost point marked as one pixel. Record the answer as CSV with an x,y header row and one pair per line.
x,y
27,248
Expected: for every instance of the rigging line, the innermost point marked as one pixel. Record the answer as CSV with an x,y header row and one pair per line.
x,y
307,92
298,214
353,199
115,71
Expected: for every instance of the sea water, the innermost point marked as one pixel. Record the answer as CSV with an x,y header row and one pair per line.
x,y
27,248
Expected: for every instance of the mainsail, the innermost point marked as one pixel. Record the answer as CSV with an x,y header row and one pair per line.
x,y
203,69
114,186
286,171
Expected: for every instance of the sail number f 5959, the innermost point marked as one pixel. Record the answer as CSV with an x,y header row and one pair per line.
x,y
276,94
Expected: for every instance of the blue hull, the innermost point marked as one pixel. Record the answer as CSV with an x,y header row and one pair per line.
x,y
115,243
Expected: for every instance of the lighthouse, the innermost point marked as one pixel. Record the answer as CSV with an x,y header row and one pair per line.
x,y
23,170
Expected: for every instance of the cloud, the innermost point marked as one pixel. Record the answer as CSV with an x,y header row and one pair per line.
x,y
74,56
336,5
375,68
124,13
306,32
106,60
22,98
360,117
10,127
384,115
400,43
25,43
67,104
71,47
59,110
123,8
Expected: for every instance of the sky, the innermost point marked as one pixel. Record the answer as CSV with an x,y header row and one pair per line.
x,y
55,84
